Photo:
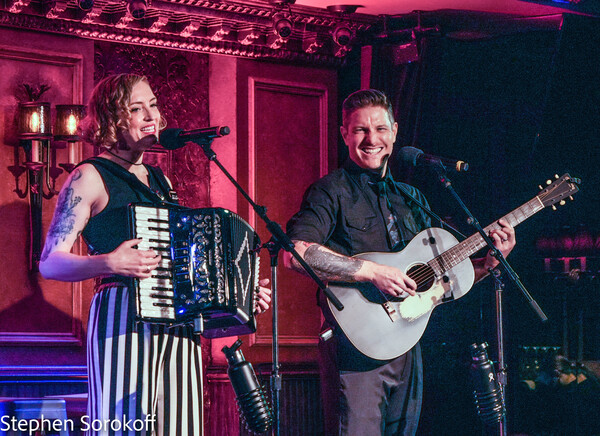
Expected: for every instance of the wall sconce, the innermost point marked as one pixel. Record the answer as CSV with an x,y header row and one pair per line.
x,y
35,136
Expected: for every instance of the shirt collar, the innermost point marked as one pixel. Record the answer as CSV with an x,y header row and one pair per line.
x,y
366,177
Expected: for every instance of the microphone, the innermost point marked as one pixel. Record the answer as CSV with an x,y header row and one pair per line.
x,y
414,156
249,393
172,139
489,398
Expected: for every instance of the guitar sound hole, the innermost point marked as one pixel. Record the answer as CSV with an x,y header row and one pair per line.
x,y
423,275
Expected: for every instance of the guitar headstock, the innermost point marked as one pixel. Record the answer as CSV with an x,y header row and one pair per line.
x,y
558,190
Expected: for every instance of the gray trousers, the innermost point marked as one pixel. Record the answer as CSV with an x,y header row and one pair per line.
x,y
382,401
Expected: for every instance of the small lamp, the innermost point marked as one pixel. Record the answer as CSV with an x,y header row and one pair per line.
x,y
68,117
34,120
35,134
34,126
36,139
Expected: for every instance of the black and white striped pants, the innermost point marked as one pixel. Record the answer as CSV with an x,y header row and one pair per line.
x,y
143,379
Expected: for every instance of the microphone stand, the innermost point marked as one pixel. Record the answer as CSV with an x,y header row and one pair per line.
x,y
278,241
501,376
499,285
274,248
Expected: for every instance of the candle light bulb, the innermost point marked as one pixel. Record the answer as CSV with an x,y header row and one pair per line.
x,y
35,151
72,150
34,122
72,124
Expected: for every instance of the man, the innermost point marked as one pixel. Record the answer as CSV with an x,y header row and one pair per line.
x,y
359,208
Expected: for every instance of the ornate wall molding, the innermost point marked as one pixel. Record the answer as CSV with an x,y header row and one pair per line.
x,y
243,29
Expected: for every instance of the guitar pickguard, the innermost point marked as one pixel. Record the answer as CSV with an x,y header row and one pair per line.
x,y
418,305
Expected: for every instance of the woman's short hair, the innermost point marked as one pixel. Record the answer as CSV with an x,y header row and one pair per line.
x,y
365,98
108,109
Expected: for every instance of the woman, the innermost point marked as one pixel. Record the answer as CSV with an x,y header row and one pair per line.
x,y
139,374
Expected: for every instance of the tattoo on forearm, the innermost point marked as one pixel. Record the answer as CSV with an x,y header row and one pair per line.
x,y
331,266
64,218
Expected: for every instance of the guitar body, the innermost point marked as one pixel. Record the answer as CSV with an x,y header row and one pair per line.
x,y
383,329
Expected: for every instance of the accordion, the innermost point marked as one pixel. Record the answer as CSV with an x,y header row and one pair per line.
x,y
208,272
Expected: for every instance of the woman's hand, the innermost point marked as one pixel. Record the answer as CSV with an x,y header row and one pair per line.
x,y
262,297
128,261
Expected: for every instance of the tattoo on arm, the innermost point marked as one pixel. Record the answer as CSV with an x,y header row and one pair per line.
x,y
328,265
64,218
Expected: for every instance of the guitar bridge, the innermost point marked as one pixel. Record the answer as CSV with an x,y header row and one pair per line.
x,y
391,312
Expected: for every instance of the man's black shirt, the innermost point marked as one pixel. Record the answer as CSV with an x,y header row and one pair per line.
x,y
343,211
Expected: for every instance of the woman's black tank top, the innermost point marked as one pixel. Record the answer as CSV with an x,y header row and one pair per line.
x,y
108,229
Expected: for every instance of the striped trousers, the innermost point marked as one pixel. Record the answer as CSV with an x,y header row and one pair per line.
x,y
144,379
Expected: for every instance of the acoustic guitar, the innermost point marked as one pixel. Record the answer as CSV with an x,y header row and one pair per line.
x,y
384,327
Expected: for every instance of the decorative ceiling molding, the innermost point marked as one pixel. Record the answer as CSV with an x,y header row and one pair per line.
x,y
225,27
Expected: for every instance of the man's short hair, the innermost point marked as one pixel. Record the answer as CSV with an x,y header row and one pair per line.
x,y
365,98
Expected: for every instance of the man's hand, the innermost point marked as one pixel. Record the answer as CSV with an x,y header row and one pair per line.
x,y
504,240
390,280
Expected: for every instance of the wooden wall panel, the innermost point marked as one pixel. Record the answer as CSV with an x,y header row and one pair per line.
x,y
33,311
289,124
287,151
284,122
44,321
300,406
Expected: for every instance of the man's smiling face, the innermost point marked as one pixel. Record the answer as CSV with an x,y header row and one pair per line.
x,y
369,134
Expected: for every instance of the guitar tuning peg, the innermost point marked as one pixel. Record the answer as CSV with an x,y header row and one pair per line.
x,y
548,182
553,207
571,197
556,176
562,202
540,186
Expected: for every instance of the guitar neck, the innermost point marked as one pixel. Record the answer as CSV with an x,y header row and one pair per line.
x,y
475,242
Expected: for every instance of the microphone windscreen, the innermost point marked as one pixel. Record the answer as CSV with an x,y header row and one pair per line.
x,y
169,139
409,155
